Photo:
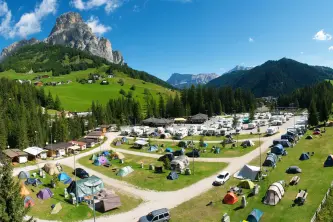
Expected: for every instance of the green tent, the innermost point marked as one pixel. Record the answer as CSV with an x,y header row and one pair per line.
x,y
56,209
93,157
82,189
246,184
125,171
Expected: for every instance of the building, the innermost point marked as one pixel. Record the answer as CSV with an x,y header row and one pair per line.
x,y
99,135
89,142
157,122
81,144
199,118
35,152
16,155
57,149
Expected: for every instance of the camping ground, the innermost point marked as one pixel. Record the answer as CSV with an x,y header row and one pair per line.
x,y
148,179
220,138
70,212
314,177
227,151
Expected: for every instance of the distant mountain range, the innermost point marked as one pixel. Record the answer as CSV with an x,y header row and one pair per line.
x,y
187,80
274,78
238,68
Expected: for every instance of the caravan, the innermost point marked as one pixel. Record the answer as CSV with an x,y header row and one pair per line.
x,y
271,130
181,133
251,126
262,123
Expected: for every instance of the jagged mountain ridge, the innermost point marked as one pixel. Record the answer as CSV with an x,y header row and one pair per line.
x,y
238,68
70,30
274,78
186,80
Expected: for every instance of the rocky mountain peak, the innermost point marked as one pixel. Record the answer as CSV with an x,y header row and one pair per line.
x,y
186,80
66,21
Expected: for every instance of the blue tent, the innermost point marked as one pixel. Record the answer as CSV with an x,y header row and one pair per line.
x,y
271,160
124,140
255,215
205,145
168,150
329,161
63,177
278,149
172,176
304,156
106,153
152,148
97,163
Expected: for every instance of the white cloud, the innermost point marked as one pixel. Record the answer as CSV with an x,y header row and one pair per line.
x,y
330,48
29,23
322,36
251,39
109,5
96,27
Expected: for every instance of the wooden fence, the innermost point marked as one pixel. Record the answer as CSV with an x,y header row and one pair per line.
x,y
313,219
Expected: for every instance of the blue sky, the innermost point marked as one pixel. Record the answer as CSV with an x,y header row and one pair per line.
x,y
188,36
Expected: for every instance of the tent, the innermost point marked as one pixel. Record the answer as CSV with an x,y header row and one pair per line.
x,y
33,181
274,194
106,153
294,170
124,140
93,157
125,171
247,184
230,198
63,177
248,172
247,143
309,137
56,209
278,149
117,143
23,175
97,163
24,191
117,155
182,144
168,150
158,169
28,202
152,148
101,160
111,201
270,160
172,176
304,156
255,215
329,161
83,190
203,144
44,194
51,168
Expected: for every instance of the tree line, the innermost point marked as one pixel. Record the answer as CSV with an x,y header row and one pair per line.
x,y
317,99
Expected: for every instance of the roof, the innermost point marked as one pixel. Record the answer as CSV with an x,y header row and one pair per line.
x,y
159,211
80,143
200,116
141,142
156,121
11,153
180,119
58,146
34,150
95,133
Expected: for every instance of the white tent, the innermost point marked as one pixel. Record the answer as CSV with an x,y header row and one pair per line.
x,y
140,143
248,172
274,194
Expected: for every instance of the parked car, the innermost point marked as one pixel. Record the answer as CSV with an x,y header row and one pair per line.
x,y
221,178
160,215
81,173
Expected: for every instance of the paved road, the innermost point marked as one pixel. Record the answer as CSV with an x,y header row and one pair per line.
x,y
170,199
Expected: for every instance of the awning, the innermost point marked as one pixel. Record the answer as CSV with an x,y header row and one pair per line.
x,y
34,150
180,120
141,142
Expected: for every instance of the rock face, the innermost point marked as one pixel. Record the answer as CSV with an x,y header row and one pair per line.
x,y
239,68
70,30
16,45
186,80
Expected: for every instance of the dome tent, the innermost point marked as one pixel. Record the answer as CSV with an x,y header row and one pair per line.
x,y
23,175
329,161
125,171
51,169
254,216
230,198
270,160
246,184
274,194
304,156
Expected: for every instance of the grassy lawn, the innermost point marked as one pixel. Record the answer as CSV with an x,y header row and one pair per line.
x,y
314,177
69,212
147,179
220,138
228,151
78,97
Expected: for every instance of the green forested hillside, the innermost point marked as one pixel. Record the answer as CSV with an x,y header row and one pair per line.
x,y
61,60
274,78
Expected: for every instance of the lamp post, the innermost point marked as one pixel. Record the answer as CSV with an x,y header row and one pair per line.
x,y
77,199
258,130
93,185
193,154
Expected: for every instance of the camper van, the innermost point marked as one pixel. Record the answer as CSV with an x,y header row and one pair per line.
x,y
136,131
181,133
211,132
201,128
271,130
262,123
170,130
251,126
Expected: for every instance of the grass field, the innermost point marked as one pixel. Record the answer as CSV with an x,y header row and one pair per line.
x,y
78,97
69,212
148,179
220,138
228,151
314,177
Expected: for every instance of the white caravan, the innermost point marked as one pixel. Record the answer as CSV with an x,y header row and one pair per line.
x,y
271,130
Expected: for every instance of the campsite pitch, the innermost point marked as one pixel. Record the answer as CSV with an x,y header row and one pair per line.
x,y
314,177
227,151
220,138
148,179
42,208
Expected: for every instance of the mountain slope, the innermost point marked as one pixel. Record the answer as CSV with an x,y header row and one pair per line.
x,y
186,80
274,78
239,68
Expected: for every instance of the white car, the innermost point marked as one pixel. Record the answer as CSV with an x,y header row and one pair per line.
x,y
222,178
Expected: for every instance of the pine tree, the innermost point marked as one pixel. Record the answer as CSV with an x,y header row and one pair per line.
x,y
323,112
22,137
252,114
177,110
11,202
57,104
169,107
49,101
313,116
161,106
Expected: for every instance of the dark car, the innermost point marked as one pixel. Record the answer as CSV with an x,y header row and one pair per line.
x,y
161,215
168,155
194,153
81,173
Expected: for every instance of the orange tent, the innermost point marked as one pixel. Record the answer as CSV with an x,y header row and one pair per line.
x,y
24,191
230,198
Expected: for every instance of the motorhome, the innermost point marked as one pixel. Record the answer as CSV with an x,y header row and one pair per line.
x,y
276,123
170,130
136,131
201,128
271,130
251,126
181,133
160,130
262,123
211,132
